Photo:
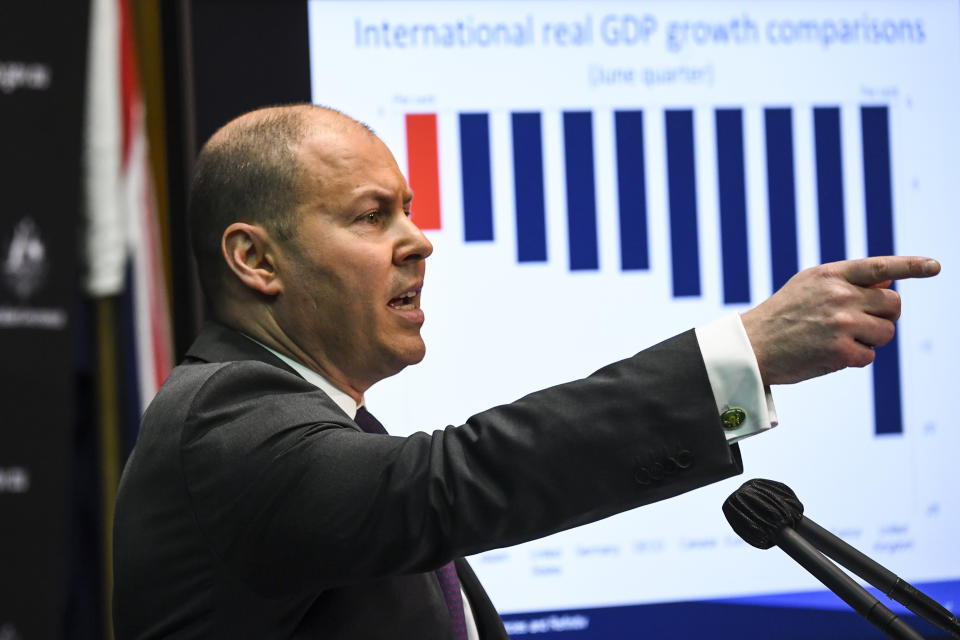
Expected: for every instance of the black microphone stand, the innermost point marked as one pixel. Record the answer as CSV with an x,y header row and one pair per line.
x,y
764,513
879,576
844,586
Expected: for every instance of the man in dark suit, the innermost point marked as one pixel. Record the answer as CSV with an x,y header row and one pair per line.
x,y
262,500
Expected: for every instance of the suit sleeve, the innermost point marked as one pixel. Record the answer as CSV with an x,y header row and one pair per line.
x,y
291,496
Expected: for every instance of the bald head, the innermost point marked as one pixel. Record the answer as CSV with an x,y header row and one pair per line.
x,y
251,171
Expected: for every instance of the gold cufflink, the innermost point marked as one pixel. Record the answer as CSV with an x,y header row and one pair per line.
x,y
733,417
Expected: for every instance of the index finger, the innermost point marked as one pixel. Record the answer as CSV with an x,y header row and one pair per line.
x,y
867,272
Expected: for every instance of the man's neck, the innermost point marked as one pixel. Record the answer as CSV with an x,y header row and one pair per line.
x,y
344,400
270,335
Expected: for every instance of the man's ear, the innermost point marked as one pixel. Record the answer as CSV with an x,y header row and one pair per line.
x,y
251,256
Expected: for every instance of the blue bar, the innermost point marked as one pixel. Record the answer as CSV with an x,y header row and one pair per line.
x,y
528,187
631,190
888,413
733,206
475,176
682,195
781,195
826,135
581,193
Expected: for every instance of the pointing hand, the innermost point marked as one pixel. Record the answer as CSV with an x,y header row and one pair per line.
x,y
830,317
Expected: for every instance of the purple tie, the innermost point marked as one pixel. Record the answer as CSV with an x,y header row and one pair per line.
x,y
367,422
447,574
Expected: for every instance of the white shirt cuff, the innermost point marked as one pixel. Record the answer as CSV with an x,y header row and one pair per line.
x,y
735,377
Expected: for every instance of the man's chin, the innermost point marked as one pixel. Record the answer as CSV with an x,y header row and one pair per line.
x,y
416,354
406,355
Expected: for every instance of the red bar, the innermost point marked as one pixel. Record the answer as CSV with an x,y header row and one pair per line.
x,y
423,169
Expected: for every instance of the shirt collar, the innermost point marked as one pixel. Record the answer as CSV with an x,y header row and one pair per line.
x,y
342,399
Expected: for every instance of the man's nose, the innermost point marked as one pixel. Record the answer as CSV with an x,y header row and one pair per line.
x,y
414,245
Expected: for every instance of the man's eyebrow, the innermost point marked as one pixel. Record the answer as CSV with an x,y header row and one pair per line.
x,y
378,193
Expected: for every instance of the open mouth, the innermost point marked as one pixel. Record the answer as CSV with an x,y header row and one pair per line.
x,y
406,301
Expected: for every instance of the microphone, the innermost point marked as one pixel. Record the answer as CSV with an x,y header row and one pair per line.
x,y
765,512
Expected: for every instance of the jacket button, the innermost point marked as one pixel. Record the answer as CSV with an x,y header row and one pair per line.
x,y
683,459
733,417
642,476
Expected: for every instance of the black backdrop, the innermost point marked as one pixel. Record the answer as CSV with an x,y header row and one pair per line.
x,y
42,71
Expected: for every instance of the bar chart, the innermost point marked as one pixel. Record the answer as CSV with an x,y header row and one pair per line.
x,y
581,210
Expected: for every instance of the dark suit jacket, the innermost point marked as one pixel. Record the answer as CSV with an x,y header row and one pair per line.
x,y
253,507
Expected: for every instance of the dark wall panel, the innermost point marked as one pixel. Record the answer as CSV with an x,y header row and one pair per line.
x,y
247,55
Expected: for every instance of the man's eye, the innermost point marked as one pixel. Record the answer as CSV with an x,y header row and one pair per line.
x,y
370,218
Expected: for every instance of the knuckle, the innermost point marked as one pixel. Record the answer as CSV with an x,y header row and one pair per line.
x,y
915,267
895,302
846,356
829,271
884,303
863,358
888,331
858,355
837,294
846,359
841,322
880,268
